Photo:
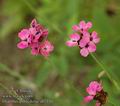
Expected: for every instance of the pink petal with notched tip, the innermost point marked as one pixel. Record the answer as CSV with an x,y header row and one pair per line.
x,y
88,25
73,40
84,52
70,43
82,24
22,45
95,37
23,34
91,47
87,99
75,36
75,28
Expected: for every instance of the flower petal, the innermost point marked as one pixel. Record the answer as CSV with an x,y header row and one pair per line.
x,y
84,52
92,47
95,37
75,28
34,48
88,25
88,98
22,45
91,91
23,34
75,36
32,31
34,51
70,43
82,24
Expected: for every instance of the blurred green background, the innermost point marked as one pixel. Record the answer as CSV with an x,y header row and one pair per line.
x,y
64,78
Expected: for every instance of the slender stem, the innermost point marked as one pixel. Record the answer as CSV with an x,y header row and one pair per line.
x,y
106,71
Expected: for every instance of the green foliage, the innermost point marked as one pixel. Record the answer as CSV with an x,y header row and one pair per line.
x,y
52,76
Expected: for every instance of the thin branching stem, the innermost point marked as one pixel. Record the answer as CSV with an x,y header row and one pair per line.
x,y
106,71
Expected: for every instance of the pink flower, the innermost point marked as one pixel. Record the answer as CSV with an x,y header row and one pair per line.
x,y
89,47
46,48
24,35
73,40
85,40
88,43
94,37
93,88
35,37
82,26
95,91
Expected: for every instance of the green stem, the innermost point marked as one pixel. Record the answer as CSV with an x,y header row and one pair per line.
x,y
106,71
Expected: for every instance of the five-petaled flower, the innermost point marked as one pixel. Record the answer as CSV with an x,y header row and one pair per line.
x,y
82,26
96,92
83,39
34,37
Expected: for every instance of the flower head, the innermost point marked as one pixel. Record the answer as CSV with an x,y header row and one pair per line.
x,y
33,37
83,39
96,92
45,48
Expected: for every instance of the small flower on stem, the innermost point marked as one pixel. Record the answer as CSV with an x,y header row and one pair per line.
x,y
83,39
96,92
45,48
35,37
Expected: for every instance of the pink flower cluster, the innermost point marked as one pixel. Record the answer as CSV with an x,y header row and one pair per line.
x,y
93,89
83,39
35,38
